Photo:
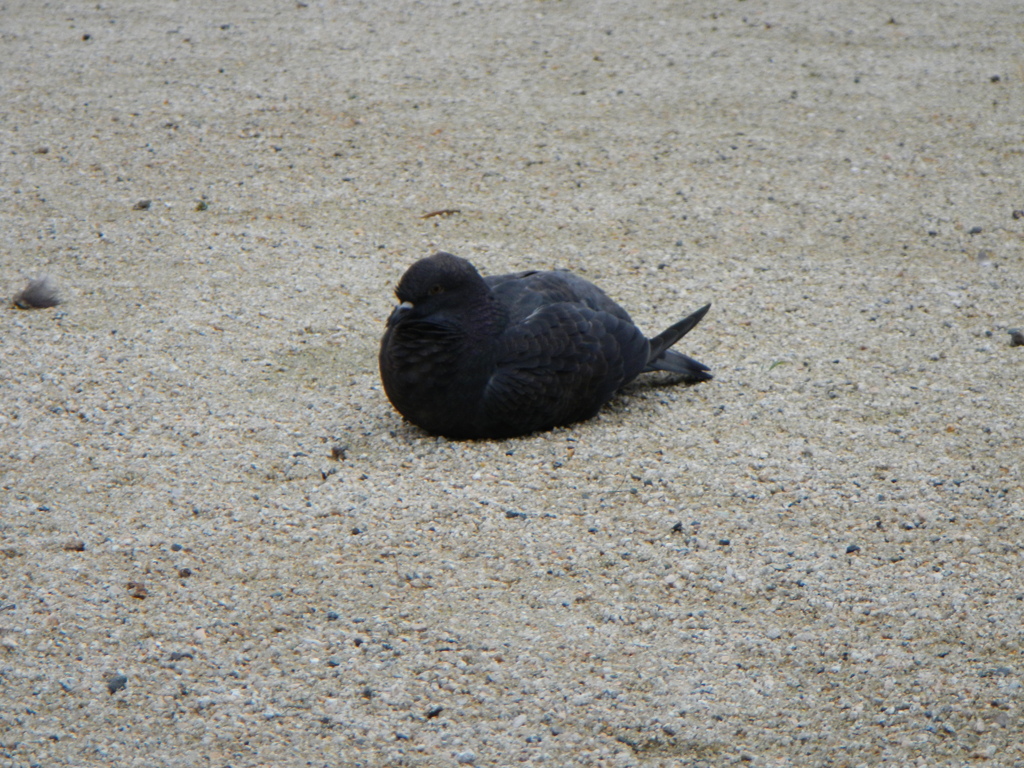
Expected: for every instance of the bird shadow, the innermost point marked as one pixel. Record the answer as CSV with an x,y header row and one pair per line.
x,y
658,381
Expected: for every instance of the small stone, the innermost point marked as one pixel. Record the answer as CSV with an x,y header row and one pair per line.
x,y
142,205
852,549
202,205
137,590
184,573
1016,337
338,452
974,231
115,682
74,545
996,672
40,293
434,712
465,758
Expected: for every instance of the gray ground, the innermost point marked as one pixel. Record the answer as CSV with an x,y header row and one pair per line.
x,y
815,559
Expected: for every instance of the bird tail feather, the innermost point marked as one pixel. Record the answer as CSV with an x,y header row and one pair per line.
x,y
662,358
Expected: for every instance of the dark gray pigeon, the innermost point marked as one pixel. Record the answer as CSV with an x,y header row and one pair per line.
x,y
467,356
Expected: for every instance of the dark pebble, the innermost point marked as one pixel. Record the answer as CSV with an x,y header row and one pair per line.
x,y
974,231
142,205
338,452
184,573
677,528
175,547
115,683
511,513
332,616
852,548
179,655
1016,337
40,293
723,542
434,712
137,590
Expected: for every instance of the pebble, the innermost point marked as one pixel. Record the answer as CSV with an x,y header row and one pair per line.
x,y
115,682
39,293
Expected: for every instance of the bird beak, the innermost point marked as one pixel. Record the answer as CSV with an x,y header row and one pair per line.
x,y
399,312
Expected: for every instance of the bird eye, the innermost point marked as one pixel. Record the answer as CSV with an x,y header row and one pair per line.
x,y
436,289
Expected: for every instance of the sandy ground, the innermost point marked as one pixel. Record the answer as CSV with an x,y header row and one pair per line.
x,y
219,545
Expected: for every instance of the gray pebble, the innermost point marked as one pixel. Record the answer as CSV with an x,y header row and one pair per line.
x,y
115,682
40,293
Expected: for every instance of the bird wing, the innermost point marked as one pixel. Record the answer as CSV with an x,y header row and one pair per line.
x,y
560,365
522,293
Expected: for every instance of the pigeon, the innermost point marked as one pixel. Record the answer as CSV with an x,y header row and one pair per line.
x,y
473,357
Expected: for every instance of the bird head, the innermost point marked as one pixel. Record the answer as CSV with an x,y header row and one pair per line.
x,y
441,283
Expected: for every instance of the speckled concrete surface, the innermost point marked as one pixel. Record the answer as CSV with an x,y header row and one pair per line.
x,y
220,545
